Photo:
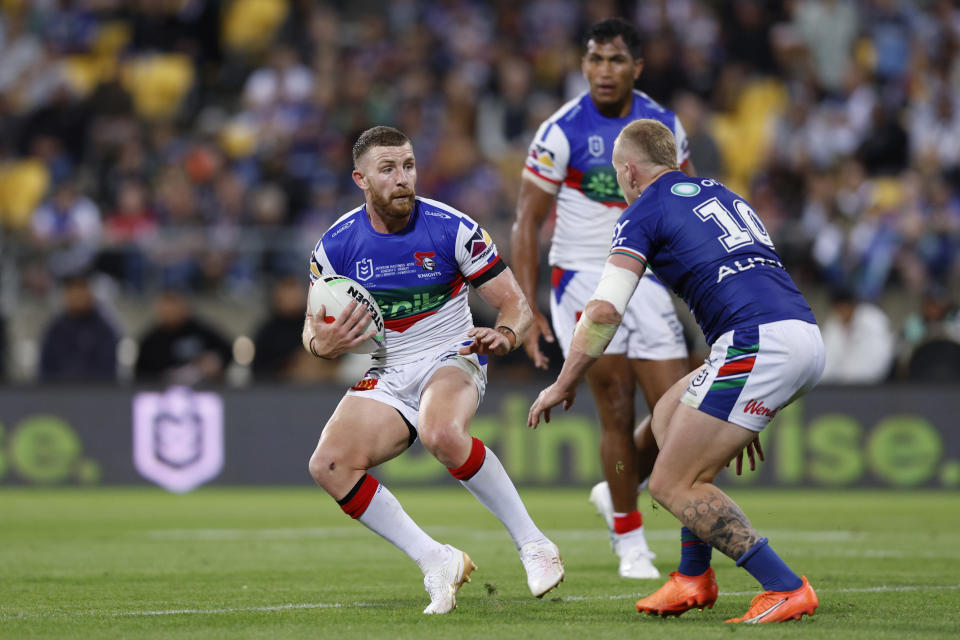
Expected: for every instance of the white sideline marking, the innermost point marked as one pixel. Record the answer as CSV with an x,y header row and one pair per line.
x,y
176,612
338,605
563,534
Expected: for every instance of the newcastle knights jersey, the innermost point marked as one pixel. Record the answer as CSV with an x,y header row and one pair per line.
x,y
572,156
418,275
708,245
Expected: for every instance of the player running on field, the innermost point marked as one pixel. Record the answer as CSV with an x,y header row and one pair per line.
x,y
416,257
569,163
709,245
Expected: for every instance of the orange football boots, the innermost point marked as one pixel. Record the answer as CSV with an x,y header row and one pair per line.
x,y
779,606
680,594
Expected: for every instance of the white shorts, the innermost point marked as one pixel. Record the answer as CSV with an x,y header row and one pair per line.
x,y
401,386
754,372
650,329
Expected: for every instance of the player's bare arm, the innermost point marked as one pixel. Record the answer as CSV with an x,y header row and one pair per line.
x,y
331,339
597,326
503,293
533,207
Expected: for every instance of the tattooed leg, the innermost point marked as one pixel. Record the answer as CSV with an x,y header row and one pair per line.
x,y
717,520
696,446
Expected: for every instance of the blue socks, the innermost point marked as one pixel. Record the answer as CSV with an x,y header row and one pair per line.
x,y
694,554
765,565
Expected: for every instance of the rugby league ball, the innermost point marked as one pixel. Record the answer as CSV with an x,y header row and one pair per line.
x,y
334,293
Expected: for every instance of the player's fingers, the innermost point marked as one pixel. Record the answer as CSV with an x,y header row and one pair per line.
x,y
540,361
759,448
544,326
344,318
546,415
739,468
362,338
533,416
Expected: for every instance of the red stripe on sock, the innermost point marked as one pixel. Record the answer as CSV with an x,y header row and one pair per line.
x,y
478,453
627,523
361,500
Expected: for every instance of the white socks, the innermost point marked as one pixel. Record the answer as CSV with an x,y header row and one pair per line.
x,y
493,488
385,517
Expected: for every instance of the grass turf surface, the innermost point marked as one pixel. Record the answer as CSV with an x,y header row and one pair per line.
x,y
286,563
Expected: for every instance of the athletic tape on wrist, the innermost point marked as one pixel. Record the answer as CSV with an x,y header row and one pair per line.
x,y
596,335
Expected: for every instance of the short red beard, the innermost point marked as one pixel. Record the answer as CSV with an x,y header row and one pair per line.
x,y
393,206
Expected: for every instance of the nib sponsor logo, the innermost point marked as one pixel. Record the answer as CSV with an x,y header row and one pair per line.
x,y
757,408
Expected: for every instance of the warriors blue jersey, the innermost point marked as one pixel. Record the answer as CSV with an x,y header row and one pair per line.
x,y
417,275
708,245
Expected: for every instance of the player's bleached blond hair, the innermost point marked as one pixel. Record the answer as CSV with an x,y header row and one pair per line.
x,y
652,139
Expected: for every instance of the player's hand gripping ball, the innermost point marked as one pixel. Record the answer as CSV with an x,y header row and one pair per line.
x,y
334,293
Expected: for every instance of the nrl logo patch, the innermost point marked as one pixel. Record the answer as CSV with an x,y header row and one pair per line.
x,y
595,145
178,437
364,269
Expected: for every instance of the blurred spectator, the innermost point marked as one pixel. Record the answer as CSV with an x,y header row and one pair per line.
x,y
180,348
828,29
66,230
127,232
80,344
859,343
931,349
704,152
886,150
279,352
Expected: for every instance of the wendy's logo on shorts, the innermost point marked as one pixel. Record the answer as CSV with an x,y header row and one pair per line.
x,y
425,259
757,408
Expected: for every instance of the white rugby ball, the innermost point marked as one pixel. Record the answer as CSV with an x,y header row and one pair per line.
x,y
334,293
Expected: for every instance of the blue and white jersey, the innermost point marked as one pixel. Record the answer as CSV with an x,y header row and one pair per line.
x,y
708,245
571,155
416,275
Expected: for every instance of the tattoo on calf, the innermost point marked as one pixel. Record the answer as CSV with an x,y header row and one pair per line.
x,y
718,521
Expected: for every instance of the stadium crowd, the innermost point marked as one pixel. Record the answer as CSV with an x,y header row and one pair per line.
x,y
201,147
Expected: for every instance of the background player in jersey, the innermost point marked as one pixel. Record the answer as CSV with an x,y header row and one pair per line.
x,y
416,256
709,245
569,163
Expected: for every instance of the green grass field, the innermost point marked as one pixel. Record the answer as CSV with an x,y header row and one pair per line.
x,y
286,563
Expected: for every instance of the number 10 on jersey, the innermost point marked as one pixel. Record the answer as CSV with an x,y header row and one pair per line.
x,y
735,234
